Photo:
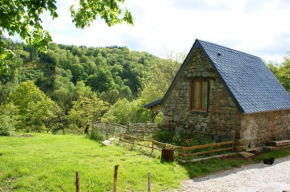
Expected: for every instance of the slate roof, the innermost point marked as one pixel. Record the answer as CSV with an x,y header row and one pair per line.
x,y
252,85
157,102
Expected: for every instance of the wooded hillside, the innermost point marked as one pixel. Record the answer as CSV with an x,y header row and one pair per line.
x,y
85,83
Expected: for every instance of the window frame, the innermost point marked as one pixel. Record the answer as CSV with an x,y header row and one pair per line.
x,y
199,108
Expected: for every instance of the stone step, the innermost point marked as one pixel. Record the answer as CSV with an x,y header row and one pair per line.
x,y
269,148
246,154
240,148
280,143
255,150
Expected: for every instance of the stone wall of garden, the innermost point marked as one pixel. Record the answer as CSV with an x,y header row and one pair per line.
x,y
222,118
108,130
257,129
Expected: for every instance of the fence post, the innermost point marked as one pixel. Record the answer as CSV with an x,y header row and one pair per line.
x,y
107,137
210,150
115,178
77,182
128,127
149,181
234,141
152,147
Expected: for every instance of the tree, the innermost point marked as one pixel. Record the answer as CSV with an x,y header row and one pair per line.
x,y
8,119
124,111
86,109
35,109
101,81
120,112
23,18
63,89
159,78
282,72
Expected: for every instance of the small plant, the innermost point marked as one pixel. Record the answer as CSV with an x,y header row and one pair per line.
x,y
94,135
181,139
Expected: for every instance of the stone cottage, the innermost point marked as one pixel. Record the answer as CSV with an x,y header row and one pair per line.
x,y
218,90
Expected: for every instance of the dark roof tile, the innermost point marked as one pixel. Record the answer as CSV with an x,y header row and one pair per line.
x,y
250,81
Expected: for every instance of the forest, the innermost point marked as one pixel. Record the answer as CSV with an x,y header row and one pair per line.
x,y
68,86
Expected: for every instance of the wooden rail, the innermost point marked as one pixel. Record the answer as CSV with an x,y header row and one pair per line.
x,y
182,151
152,144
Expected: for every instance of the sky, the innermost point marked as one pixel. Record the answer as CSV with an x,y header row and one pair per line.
x,y
259,27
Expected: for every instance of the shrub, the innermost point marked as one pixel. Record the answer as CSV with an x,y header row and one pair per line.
x,y
181,139
94,135
8,119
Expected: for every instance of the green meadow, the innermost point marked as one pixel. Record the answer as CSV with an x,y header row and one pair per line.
x,y
48,162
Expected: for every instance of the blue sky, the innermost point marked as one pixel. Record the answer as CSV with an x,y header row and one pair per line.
x,y
257,27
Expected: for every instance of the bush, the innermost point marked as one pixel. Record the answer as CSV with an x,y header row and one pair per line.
x,y
6,128
181,139
8,119
94,135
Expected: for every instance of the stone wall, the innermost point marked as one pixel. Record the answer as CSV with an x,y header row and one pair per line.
x,y
257,129
222,118
142,129
108,130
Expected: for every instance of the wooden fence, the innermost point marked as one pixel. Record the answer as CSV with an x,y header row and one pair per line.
x,y
78,186
147,143
182,151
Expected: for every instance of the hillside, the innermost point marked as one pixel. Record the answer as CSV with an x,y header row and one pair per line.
x,y
112,72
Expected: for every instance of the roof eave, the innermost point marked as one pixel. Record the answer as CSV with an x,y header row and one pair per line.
x,y
274,110
153,103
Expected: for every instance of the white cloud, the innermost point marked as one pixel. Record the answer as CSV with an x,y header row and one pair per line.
x,y
256,27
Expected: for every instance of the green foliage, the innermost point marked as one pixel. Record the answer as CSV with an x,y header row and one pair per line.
x,y
8,119
162,72
51,161
101,81
66,73
124,111
181,139
110,11
120,112
94,135
63,89
36,110
86,109
282,72
23,18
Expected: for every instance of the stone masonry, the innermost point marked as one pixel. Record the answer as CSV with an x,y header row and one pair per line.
x,y
259,128
223,116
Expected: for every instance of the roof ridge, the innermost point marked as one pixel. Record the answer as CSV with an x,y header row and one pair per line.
x,y
228,48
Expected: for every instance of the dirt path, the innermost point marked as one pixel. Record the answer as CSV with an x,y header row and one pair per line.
x,y
254,178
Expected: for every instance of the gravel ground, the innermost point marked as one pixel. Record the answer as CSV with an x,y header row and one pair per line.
x,y
256,178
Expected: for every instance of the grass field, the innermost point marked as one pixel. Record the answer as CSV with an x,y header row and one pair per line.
x,y
48,163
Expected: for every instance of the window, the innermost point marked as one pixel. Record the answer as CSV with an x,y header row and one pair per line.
x,y
199,95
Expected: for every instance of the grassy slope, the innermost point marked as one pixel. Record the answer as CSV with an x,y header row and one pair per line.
x,y
48,163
